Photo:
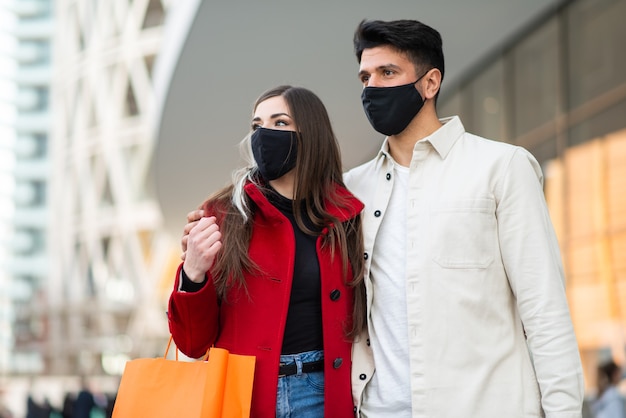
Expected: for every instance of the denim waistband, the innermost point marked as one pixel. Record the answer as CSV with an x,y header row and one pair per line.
x,y
299,358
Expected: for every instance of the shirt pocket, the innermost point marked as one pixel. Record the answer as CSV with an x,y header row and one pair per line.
x,y
464,233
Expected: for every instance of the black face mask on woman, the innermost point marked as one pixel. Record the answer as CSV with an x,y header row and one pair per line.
x,y
391,109
274,151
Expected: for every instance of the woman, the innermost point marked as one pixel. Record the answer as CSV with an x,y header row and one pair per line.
x,y
274,268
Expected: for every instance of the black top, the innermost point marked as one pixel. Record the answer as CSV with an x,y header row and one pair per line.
x,y
303,330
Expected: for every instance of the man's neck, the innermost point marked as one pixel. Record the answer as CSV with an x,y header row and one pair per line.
x,y
401,145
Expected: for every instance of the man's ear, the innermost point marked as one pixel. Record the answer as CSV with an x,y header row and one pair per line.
x,y
431,83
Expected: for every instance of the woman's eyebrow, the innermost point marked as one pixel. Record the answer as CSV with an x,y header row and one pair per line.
x,y
274,116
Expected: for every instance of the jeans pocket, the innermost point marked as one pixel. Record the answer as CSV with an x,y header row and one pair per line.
x,y
316,381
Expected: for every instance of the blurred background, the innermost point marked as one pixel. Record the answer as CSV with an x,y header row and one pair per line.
x,y
117,117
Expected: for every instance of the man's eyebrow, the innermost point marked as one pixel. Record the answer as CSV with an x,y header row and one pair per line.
x,y
381,67
387,66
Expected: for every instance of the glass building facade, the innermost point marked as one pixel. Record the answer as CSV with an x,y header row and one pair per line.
x,y
25,263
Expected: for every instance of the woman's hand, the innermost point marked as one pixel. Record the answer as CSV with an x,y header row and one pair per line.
x,y
202,242
192,219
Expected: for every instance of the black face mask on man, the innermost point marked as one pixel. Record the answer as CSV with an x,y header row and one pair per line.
x,y
391,109
274,151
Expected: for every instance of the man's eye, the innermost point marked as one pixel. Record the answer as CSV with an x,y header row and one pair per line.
x,y
365,78
388,72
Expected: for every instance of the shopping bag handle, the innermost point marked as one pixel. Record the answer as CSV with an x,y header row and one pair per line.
x,y
169,343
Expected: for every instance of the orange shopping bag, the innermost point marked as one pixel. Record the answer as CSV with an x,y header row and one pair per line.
x,y
160,388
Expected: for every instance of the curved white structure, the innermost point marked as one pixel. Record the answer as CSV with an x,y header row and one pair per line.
x,y
218,57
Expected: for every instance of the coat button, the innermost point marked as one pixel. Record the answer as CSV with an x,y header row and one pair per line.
x,y
368,342
337,363
377,213
334,295
365,256
362,376
388,176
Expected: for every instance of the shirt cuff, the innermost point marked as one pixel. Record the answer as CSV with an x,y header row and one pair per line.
x,y
187,285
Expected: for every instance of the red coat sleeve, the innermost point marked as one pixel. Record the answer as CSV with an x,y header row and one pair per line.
x,y
193,318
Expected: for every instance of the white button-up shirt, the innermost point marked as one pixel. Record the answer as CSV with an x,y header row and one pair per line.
x,y
489,329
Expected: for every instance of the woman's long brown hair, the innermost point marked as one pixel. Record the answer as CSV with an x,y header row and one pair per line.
x,y
318,172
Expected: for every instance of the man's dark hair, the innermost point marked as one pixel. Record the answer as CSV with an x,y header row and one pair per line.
x,y
609,370
420,42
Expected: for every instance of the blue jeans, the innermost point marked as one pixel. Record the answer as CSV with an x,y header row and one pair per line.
x,y
301,395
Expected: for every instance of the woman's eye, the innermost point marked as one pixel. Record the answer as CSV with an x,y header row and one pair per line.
x,y
255,126
281,123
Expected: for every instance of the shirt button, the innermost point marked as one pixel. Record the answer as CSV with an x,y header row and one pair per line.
x,y
366,256
362,376
368,342
377,213
334,295
337,363
388,176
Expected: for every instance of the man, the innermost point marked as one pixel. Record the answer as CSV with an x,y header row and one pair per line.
x,y
609,402
468,315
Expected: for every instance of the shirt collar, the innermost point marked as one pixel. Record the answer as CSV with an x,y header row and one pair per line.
x,y
442,140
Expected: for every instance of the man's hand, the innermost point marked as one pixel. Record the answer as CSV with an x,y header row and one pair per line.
x,y
203,242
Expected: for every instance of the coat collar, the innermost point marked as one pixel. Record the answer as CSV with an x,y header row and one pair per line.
x,y
352,207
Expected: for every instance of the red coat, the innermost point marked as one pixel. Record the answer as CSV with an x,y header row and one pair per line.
x,y
255,325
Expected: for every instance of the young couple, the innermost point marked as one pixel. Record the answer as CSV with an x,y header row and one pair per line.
x,y
424,283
